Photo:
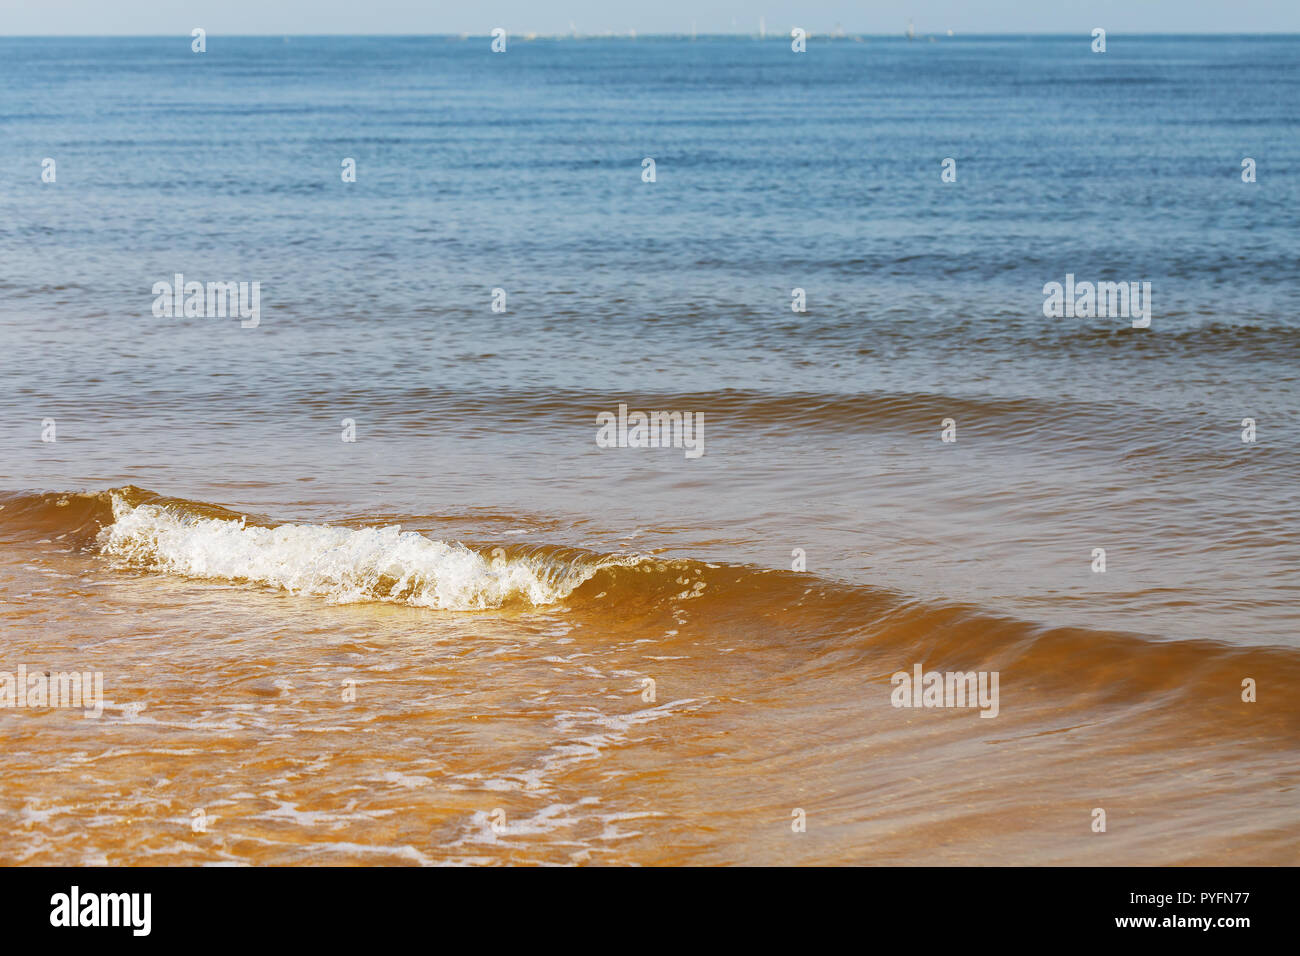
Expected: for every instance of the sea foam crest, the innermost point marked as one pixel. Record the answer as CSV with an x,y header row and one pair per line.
x,y
345,565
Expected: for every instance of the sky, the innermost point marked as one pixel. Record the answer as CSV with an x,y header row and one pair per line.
x,y
479,17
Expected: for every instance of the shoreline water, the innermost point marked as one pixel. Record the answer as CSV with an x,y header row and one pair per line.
x,y
794,673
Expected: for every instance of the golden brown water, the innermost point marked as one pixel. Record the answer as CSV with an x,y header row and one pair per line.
x,y
771,694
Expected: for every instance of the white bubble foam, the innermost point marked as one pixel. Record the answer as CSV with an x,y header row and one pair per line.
x,y
342,564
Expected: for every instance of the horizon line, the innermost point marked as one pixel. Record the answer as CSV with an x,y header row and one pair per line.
x,y
636,35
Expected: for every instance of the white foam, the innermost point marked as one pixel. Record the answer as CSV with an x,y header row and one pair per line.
x,y
342,564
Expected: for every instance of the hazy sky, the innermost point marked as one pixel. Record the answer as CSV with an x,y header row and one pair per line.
x,y
154,17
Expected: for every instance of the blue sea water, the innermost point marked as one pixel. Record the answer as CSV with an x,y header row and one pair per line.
x,y
774,171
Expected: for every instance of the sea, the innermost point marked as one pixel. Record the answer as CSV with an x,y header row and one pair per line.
x,y
612,438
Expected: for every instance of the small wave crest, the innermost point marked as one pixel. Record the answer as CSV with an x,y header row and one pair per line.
x,y
342,564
